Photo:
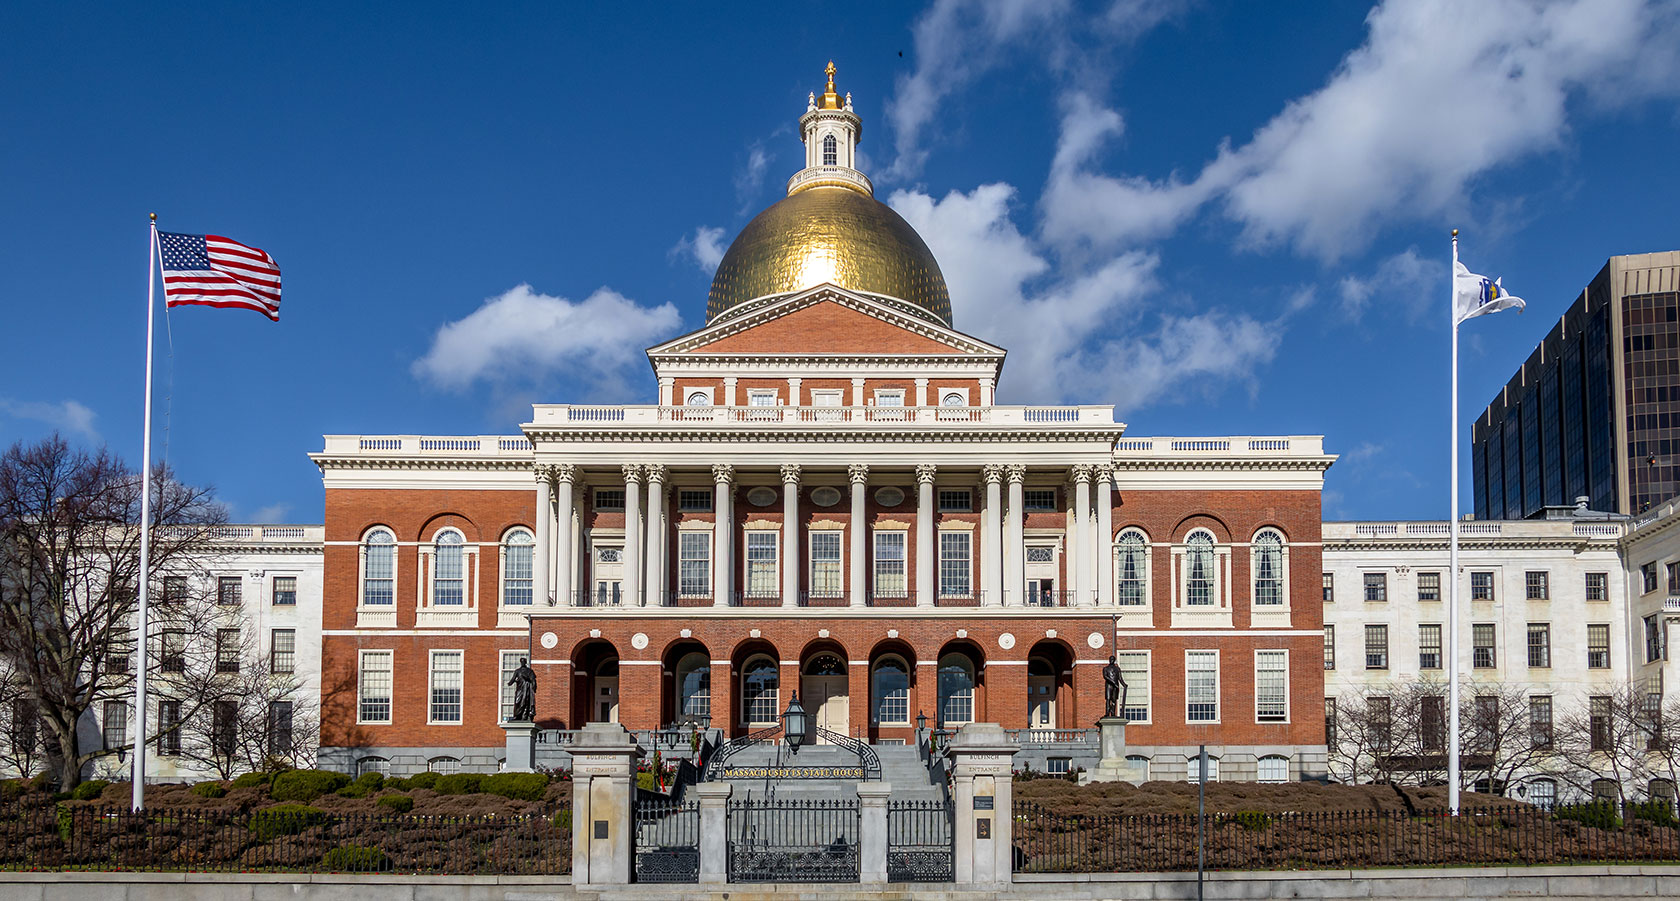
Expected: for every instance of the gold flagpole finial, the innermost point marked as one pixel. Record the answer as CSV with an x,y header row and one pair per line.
x,y
1455,232
154,217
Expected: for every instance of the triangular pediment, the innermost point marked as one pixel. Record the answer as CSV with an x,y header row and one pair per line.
x,y
825,320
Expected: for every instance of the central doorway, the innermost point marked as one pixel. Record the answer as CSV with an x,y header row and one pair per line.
x,y
824,693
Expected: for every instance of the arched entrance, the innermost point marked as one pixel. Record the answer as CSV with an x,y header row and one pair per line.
x,y
595,678
1049,685
961,697
688,689
825,693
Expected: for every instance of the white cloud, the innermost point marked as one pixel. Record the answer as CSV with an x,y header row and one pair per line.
x,y
1407,283
522,336
1187,358
271,513
66,416
750,178
704,247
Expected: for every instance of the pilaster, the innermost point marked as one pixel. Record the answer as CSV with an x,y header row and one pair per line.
x,y
926,553
1102,548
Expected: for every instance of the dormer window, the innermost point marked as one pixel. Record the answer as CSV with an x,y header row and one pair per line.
x,y
831,151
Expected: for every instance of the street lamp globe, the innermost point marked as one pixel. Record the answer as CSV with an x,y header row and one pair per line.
x,y
794,723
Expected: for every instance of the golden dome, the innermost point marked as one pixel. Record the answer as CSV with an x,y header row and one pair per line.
x,y
832,234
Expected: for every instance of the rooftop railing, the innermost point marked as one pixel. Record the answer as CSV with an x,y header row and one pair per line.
x,y
579,416
1438,529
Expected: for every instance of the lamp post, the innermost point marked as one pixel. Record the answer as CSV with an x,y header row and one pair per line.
x,y
921,721
793,724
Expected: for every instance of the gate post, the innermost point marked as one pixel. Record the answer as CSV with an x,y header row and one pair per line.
x,y
603,804
714,830
982,756
872,831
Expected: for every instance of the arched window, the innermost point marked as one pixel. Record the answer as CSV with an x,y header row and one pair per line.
x,y
1138,764
1273,768
1198,570
831,151
760,692
1662,792
378,765
1131,568
694,688
449,564
517,549
444,766
1267,552
379,569
890,685
699,399
956,690
1193,769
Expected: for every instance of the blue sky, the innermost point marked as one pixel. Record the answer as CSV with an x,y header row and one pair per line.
x,y
1224,218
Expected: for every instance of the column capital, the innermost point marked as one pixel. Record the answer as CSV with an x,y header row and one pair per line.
x,y
632,473
723,473
1017,473
992,473
1082,473
542,474
1104,473
655,472
858,473
790,473
565,473
926,473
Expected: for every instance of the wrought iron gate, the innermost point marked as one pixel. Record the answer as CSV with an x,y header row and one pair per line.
x,y
793,841
920,841
667,841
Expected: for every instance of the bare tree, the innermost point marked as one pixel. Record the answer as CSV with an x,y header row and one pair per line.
x,y
21,750
237,715
69,571
1500,737
1615,737
1363,746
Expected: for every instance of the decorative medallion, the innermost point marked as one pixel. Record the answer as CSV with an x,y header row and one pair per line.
x,y
1095,640
549,639
762,496
826,496
1006,641
640,640
889,496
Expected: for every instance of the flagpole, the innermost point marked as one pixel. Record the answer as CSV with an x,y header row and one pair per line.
x,y
139,775
1452,555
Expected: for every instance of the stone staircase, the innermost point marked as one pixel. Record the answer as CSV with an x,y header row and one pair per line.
x,y
901,768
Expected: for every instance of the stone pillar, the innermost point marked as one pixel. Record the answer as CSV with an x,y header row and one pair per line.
x,y
1014,540
926,554
729,391
1079,568
666,383
791,555
872,831
565,552
857,392
1103,547
921,392
986,392
982,759
991,539
632,535
655,536
723,531
541,574
859,475
603,794
793,390
521,747
714,830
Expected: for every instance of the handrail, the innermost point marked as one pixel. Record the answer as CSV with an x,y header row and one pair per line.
x,y
734,746
868,760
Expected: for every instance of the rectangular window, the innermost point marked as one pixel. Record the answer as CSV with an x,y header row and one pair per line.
x,y
224,728
955,500
1429,586
694,500
1598,723
446,687
1433,720
228,590
510,664
1040,500
169,728
174,588
1429,646
1201,686
1540,721
1376,646
694,564
1648,577
761,564
1058,766
280,728
1481,586
115,725
1485,724
827,397
1537,585
282,654
1330,721
1271,686
1329,646
373,688
1381,713
761,397
1483,654
1376,586
889,565
1134,668
1539,644
1329,588
1598,646
1598,586
609,500
227,650
955,573
889,397
285,591
1654,638
172,651
826,569
1673,576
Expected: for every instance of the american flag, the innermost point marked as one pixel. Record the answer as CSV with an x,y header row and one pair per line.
x,y
213,271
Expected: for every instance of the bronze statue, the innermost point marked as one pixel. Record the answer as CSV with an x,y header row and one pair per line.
x,y
524,684
1114,687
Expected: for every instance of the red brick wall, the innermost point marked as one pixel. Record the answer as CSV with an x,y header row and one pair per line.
x,y
830,326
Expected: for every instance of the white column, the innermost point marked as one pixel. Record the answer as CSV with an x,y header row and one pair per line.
x,y
986,392
540,572
729,392
565,552
666,383
1079,569
791,555
859,475
921,392
1103,548
1015,548
857,392
926,553
655,535
723,561
793,391
632,535
991,540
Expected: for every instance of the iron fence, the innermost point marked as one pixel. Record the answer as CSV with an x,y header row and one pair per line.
x,y
793,841
667,841
1504,836
920,841
287,838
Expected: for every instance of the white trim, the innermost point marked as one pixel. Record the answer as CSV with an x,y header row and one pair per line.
x,y
502,565
1207,633
1218,711
396,633
811,563
431,673
391,689
1287,711
1149,674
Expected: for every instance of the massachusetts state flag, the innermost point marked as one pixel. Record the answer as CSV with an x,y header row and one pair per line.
x,y
213,271
1474,295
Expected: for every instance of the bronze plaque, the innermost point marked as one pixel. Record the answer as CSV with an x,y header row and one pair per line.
x,y
983,827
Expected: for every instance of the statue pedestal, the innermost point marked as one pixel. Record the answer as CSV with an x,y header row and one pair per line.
x,y
1113,766
521,747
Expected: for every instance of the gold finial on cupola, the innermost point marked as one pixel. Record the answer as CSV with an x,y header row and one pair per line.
x,y
831,98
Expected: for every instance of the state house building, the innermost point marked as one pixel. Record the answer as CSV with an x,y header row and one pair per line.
x,y
827,499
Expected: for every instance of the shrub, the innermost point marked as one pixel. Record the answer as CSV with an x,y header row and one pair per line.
x,y
355,859
563,819
11,789
89,790
397,803
43,780
1660,813
519,786
246,780
66,819
306,785
209,789
285,819
1597,814
647,781
459,784
427,779
1252,820
397,784
354,790
373,781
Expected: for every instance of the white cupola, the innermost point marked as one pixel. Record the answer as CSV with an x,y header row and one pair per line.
x,y
831,132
